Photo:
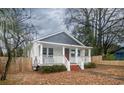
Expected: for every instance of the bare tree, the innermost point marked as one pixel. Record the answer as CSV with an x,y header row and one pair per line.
x,y
99,27
15,31
1,52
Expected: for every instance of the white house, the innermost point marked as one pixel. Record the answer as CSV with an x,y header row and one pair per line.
x,y
60,48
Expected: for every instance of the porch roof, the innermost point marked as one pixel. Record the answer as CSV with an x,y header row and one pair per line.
x,y
60,44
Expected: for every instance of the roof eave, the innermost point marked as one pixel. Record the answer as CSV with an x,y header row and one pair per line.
x,y
44,42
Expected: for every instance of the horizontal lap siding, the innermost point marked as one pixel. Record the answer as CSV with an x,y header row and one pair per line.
x,y
57,54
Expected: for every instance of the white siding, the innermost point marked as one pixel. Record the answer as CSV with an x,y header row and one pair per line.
x,y
57,54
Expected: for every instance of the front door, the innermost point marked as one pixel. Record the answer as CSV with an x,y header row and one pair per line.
x,y
67,53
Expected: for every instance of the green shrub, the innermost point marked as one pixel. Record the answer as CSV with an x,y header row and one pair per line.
x,y
89,65
51,69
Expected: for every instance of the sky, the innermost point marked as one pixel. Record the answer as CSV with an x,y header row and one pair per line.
x,y
48,20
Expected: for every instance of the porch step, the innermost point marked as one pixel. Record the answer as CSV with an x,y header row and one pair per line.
x,y
75,67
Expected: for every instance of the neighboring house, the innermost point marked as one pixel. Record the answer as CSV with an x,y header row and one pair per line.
x,y
119,53
60,48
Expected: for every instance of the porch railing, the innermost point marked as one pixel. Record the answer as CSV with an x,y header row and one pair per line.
x,y
59,60
87,59
81,62
52,60
67,64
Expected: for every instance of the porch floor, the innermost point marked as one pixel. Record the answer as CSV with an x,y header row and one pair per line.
x,y
51,64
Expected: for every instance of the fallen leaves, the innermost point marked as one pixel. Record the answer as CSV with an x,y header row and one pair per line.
x,y
86,77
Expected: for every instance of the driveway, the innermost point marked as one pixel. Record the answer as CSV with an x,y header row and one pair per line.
x,y
101,75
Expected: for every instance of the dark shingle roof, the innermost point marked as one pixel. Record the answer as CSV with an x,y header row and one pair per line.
x,y
61,38
118,50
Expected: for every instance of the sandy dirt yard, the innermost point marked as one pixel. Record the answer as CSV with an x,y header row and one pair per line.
x,y
101,75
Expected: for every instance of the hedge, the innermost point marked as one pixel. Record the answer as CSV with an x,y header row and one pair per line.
x,y
90,65
51,69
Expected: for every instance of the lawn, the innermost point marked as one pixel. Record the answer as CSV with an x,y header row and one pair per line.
x,y
110,75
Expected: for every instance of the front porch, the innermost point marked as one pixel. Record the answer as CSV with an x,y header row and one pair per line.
x,y
55,54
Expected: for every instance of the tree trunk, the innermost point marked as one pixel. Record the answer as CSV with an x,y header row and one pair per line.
x,y
4,74
105,50
1,52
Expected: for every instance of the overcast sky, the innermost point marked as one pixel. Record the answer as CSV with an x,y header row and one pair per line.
x,y
48,20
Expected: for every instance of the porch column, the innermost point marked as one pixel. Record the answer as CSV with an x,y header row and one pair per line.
x,y
41,54
89,54
83,59
35,54
76,55
34,49
63,53
83,55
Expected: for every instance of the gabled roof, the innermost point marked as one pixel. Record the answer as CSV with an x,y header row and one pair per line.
x,y
61,37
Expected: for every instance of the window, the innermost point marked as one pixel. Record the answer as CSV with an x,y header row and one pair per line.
x,y
86,52
50,52
44,51
72,53
79,53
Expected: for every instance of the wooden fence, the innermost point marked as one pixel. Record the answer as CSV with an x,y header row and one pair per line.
x,y
99,60
19,64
